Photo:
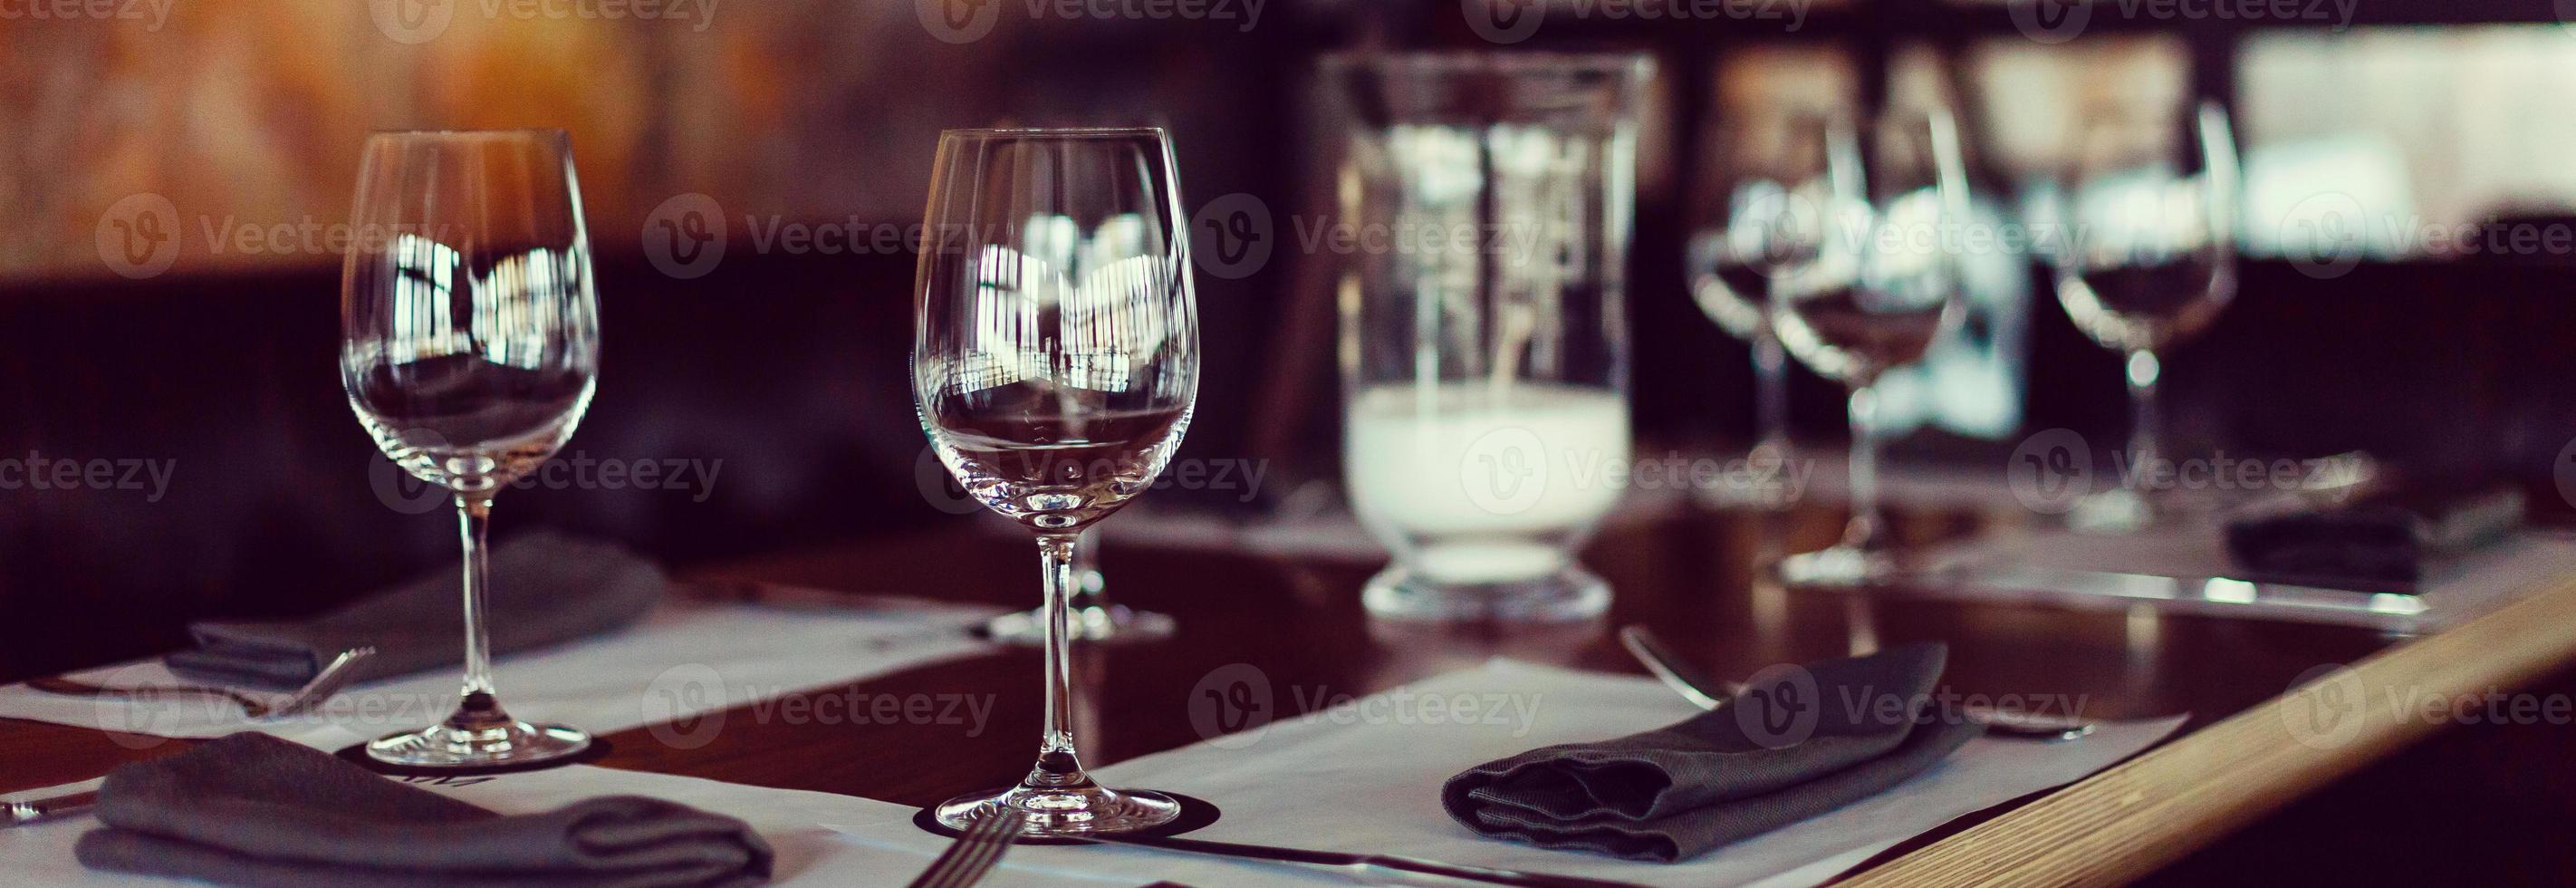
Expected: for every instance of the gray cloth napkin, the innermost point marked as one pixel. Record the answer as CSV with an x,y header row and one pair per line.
x,y
1800,744
250,809
545,589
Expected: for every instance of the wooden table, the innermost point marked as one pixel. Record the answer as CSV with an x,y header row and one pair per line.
x,y
2247,749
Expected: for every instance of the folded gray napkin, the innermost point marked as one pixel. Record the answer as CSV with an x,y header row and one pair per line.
x,y
1782,751
250,809
545,589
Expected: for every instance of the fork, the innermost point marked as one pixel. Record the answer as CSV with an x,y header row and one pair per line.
x,y
975,853
325,683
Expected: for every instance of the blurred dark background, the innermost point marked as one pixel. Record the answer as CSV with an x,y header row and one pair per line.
x,y
775,372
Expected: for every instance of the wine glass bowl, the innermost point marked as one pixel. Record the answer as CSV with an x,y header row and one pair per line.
x,y
1055,367
469,352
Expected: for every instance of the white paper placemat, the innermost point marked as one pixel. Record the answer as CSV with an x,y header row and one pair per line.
x,y
1360,777
685,658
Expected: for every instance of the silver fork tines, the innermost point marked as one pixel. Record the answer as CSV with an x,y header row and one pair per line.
x,y
975,853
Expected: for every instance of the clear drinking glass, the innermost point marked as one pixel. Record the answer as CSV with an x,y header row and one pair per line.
x,y
1055,364
1761,211
469,348
1484,329
2150,261
1884,286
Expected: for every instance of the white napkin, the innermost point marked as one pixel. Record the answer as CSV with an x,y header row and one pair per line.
x,y
683,659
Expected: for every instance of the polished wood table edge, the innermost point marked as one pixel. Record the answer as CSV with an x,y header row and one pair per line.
x,y
2127,821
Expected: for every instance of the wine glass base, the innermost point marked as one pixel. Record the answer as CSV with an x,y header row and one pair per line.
x,y
449,745
1059,813
1114,624
2114,511
1840,566
1569,594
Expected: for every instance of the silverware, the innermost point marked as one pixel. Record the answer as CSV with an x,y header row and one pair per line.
x,y
1706,692
325,683
973,854
1359,864
40,810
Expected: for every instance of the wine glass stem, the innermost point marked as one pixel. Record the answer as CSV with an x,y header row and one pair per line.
x,y
1863,532
1058,763
2144,430
474,519
1771,390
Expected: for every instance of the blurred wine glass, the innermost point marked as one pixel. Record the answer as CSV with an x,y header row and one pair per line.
x,y
1884,284
1095,618
1055,367
1762,218
469,349
2148,260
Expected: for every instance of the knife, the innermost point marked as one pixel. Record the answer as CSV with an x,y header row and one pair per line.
x,y
39,810
1359,863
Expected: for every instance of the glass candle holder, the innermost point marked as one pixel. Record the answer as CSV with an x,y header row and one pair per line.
x,y
1486,201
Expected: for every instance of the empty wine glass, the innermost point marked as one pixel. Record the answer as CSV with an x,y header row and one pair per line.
x,y
2149,261
1882,287
1055,364
1761,211
469,348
